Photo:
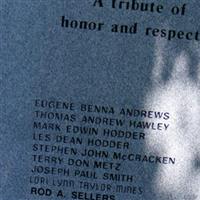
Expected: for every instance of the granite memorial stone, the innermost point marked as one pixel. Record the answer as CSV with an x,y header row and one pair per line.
x,y
100,100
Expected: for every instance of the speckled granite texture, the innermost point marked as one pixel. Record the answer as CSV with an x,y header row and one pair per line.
x,y
150,70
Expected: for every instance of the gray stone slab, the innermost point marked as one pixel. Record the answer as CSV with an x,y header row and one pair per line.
x,y
99,100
